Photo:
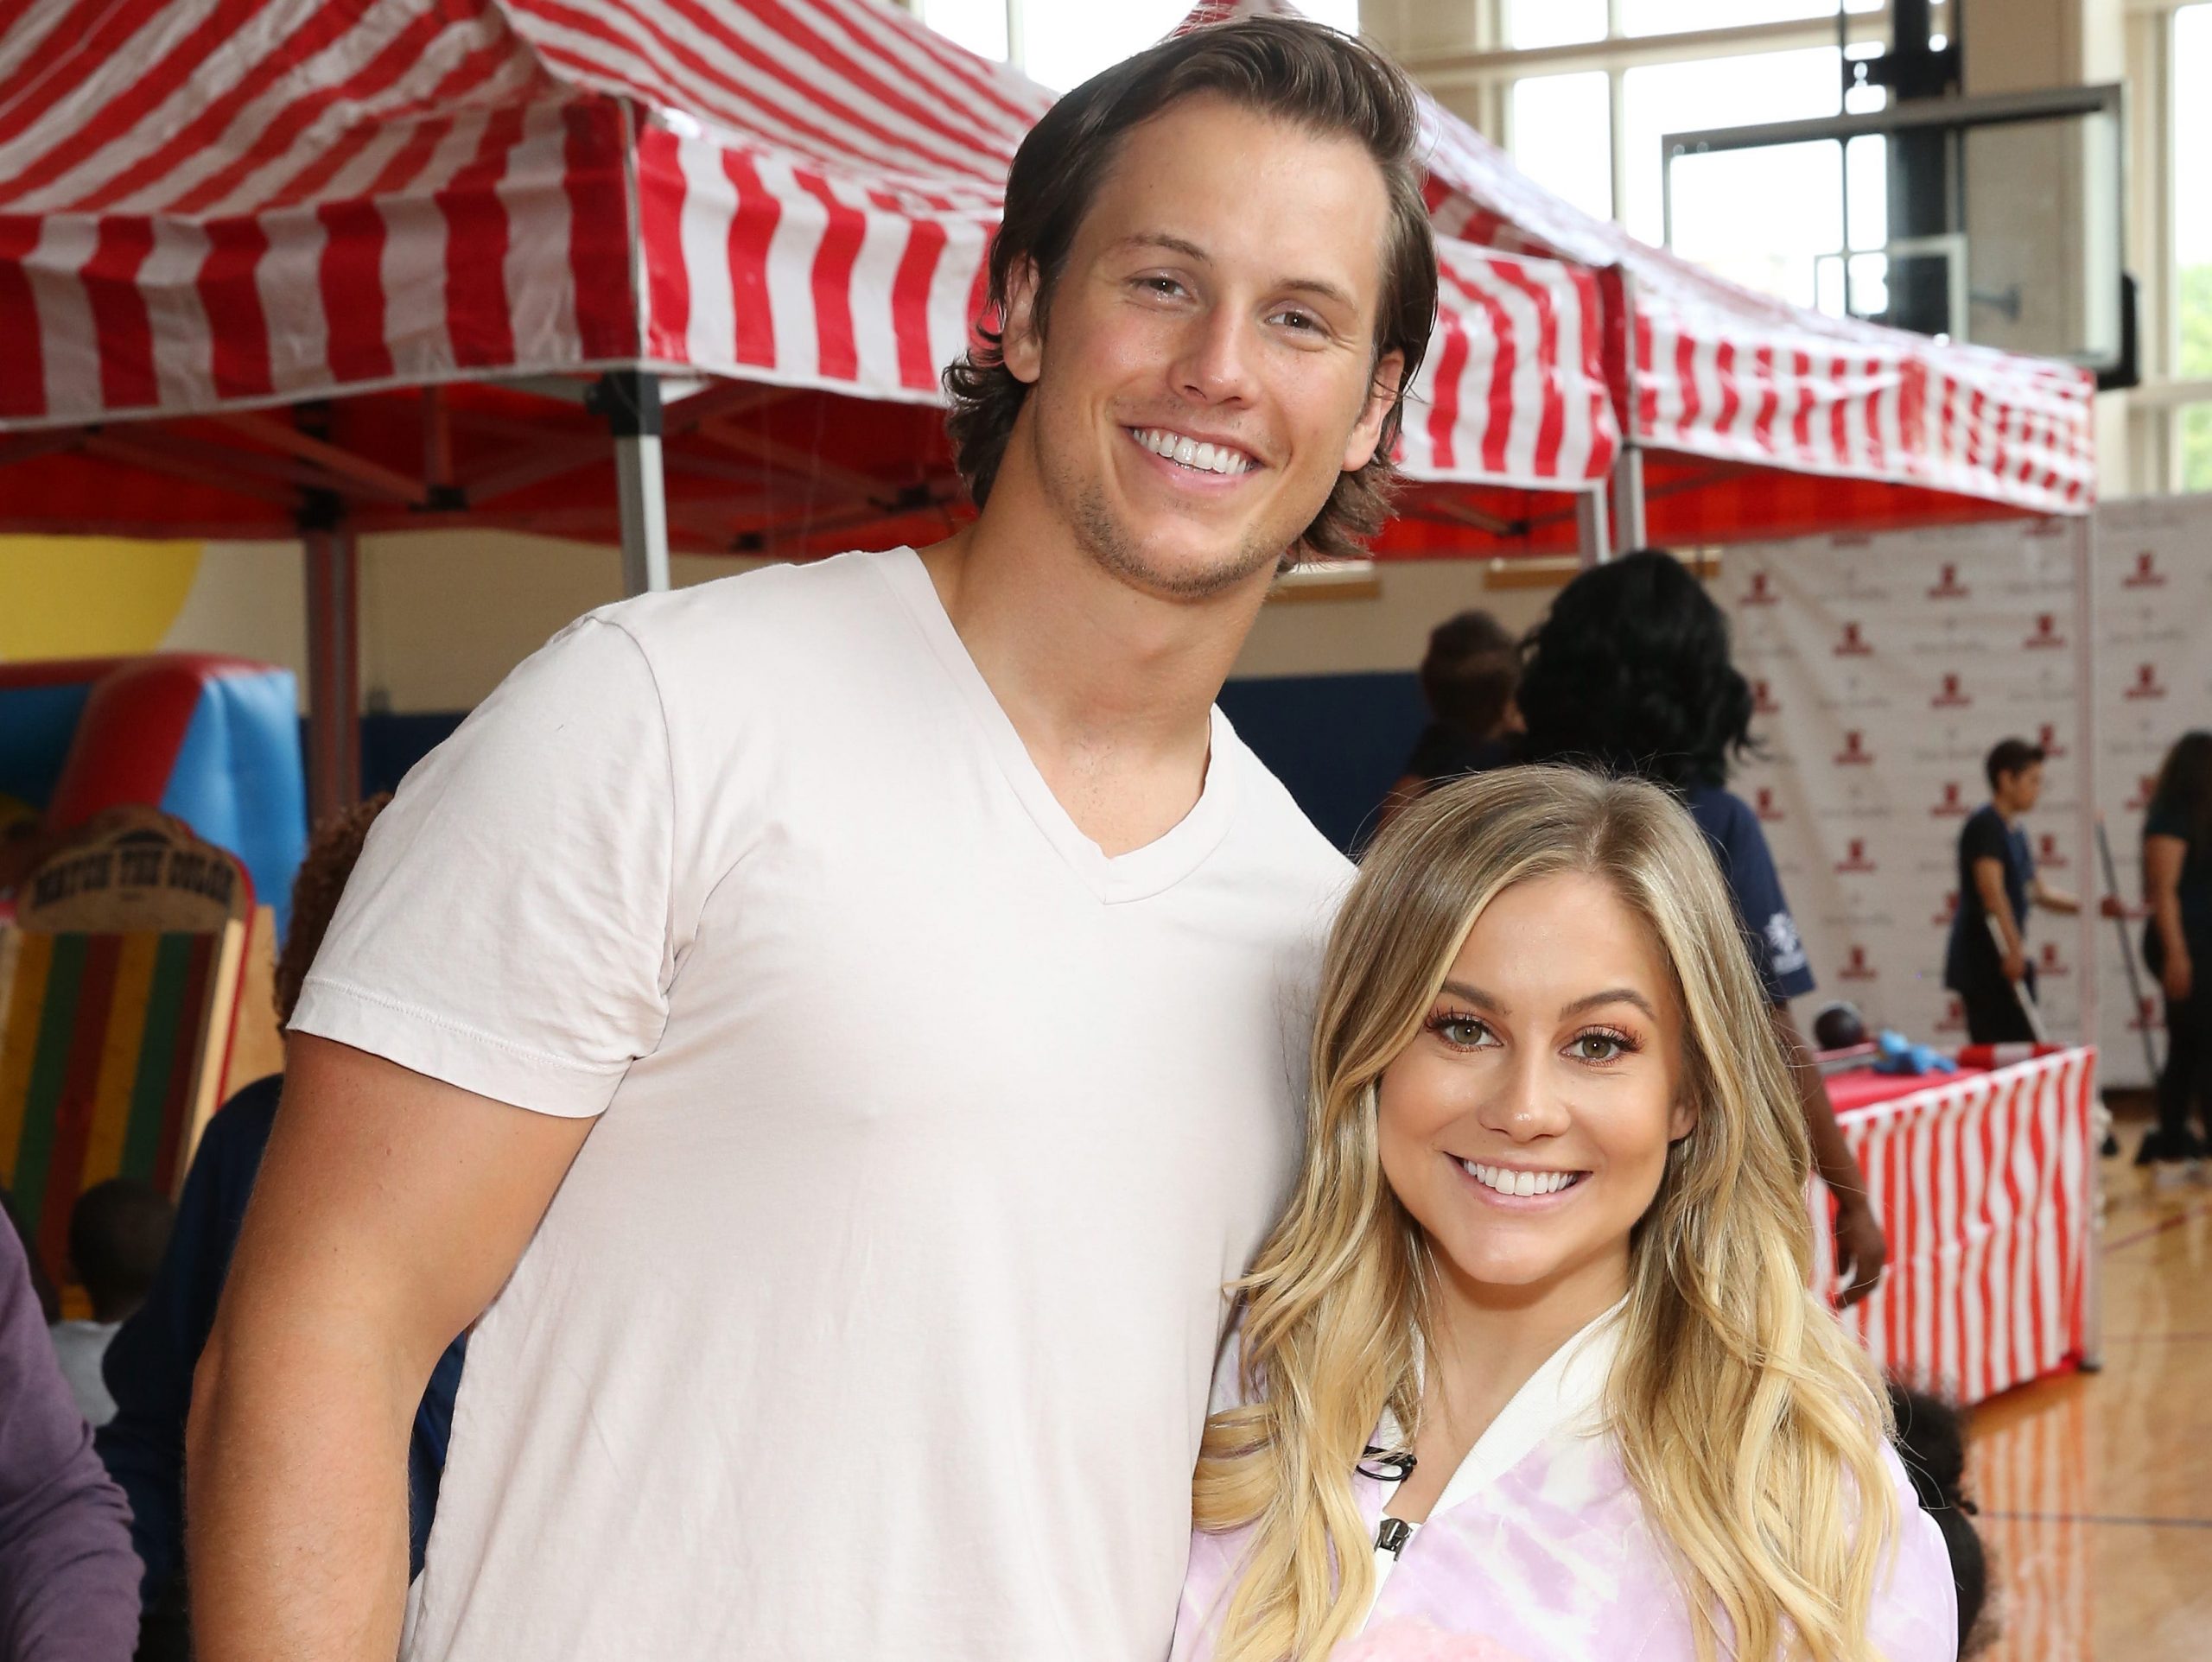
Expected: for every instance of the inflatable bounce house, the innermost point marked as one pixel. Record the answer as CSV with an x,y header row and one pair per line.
x,y
215,741
145,803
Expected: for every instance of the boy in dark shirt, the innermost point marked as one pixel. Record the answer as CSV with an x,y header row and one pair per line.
x,y
1997,885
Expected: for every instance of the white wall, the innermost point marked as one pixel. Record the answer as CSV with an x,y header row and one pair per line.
x,y
445,615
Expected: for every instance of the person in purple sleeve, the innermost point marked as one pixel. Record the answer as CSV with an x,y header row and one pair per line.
x,y
68,1581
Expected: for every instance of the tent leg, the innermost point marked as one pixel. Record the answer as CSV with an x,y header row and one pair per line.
x,y
2085,766
333,669
629,400
1629,531
1593,537
2085,752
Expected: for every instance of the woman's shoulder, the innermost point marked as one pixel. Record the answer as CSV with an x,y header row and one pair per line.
x,y
1915,1612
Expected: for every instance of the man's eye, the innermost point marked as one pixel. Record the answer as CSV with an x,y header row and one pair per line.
x,y
1301,322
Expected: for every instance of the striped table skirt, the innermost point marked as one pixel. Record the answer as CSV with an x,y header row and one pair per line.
x,y
1985,1185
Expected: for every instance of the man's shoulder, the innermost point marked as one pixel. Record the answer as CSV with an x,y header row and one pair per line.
x,y
764,606
1284,837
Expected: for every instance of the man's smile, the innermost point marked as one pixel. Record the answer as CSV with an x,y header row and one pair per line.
x,y
1183,450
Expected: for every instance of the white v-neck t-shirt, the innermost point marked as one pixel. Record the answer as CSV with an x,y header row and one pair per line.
x,y
875,1318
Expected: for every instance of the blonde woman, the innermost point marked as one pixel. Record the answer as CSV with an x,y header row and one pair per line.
x,y
1531,1356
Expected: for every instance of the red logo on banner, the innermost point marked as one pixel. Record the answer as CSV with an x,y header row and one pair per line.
x,y
2047,741
2048,963
1949,695
1759,594
1854,753
1953,804
1856,968
1855,859
1766,807
1762,700
1954,1018
1950,910
2046,633
2146,786
2146,573
2047,851
1948,586
1853,645
2147,684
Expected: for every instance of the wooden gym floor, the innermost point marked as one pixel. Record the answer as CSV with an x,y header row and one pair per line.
x,y
2096,1489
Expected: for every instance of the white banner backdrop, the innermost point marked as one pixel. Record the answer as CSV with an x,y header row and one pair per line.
x,y
1884,670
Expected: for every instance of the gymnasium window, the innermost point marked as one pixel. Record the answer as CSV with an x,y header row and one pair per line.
x,y
2192,206
1059,43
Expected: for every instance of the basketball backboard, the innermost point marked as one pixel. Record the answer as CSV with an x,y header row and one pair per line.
x,y
1995,219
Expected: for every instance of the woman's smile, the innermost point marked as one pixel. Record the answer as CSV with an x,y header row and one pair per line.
x,y
1521,1186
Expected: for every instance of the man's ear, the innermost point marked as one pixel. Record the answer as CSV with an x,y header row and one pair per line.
x,y
1021,347
1382,393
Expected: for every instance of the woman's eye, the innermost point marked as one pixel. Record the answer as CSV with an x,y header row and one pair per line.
x,y
1166,288
1599,1047
1464,1031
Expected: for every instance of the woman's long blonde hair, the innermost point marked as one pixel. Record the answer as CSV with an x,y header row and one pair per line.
x,y
1750,1423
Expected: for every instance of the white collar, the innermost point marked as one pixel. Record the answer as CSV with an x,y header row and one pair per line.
x,y
1566,1392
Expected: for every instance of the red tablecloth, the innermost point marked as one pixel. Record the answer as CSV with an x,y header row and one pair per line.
x,y
1982,1181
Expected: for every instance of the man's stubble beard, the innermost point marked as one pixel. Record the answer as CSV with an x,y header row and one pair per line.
x,y
1109,544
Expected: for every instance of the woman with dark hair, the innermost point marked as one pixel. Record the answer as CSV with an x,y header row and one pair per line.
x,y
1629,674
2177,942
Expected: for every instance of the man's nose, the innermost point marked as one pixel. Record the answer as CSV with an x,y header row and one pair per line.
x,y
1215,363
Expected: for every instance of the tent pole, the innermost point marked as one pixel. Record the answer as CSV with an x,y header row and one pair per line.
x,y
334,664
629,402
2085,767
1592,539
1616,289
2085,770
1629,529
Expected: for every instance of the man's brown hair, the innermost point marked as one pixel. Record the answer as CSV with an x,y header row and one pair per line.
x,y
332,851
1300,74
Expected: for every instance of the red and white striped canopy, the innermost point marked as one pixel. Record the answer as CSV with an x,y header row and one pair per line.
x,y
1722,372
208,204
1719,371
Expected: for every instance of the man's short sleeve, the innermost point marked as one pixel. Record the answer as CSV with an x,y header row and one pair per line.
x,y
1982,837
508,929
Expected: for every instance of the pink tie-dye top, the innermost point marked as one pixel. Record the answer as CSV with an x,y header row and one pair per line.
x,y
1539,1551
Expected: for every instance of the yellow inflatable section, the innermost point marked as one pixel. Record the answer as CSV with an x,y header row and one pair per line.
x,y
90,596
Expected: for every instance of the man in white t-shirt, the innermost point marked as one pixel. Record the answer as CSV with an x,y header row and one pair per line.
x,y
833,1030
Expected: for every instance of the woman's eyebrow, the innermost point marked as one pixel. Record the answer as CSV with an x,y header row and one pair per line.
x,y
1474,995
1611,995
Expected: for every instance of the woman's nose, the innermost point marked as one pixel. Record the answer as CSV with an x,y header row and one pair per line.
x,y
1522,1104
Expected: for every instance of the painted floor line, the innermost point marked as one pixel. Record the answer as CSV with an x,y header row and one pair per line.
x,y
2157,1228
2096,1518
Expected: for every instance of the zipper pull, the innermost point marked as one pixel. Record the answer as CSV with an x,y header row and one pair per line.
x,y
1394,1535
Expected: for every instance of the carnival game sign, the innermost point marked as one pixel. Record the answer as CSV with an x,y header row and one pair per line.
x,y
133,869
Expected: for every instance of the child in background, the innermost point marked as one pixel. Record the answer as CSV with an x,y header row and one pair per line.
x,y
117,1232
1931,1439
